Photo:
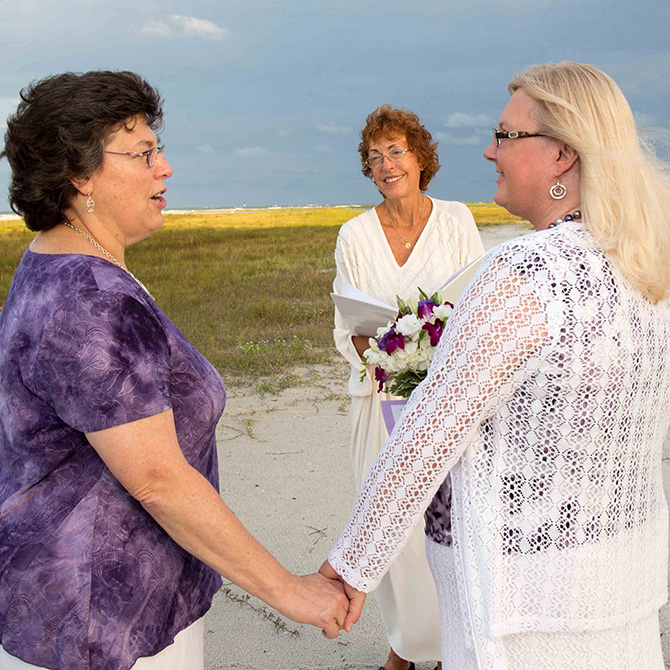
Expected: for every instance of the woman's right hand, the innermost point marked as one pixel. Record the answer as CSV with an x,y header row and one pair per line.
x,y
316,600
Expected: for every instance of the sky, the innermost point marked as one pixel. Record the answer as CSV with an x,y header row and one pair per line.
x,y
265,100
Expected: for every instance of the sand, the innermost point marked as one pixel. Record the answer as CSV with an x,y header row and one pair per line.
x,y
286,473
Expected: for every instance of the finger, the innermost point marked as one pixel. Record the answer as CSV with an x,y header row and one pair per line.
x,y
326,570
331,631
355,608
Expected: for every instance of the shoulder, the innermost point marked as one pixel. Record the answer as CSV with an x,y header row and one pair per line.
x,y
360,226
454,213
453,208
561,253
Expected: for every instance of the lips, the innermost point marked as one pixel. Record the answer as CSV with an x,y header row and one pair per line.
x,y
159,199
393,180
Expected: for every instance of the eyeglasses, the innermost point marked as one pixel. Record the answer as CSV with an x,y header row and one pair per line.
x,y
150,154
394,155
500,135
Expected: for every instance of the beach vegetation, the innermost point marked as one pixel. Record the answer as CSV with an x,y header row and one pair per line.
x,y
249,288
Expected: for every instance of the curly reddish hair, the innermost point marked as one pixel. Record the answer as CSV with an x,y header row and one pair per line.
x,y
387,121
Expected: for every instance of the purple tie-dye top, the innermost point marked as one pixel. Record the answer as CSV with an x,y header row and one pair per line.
x,y
88,580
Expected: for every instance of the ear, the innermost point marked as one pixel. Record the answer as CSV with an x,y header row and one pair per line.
x,y
566,158
82,184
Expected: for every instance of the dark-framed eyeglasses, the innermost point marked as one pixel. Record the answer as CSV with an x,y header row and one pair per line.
x,y
149,154
394,155
500,135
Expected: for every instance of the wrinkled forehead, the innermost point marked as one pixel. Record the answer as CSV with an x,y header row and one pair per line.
x,y
134,133
522,112
382,142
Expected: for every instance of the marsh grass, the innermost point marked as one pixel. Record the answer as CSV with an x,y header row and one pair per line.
x,y
249,288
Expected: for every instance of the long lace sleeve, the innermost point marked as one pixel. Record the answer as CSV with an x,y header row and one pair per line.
x,y
493,342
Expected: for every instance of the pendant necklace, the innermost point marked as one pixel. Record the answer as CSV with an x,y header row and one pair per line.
x,y
408,243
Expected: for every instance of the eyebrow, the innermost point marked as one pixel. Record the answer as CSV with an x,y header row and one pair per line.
x,y
147,143
394,145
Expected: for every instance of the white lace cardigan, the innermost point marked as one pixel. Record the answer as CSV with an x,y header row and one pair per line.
x,y
548,399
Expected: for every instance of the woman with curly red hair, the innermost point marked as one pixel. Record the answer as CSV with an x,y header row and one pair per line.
x,y
407,241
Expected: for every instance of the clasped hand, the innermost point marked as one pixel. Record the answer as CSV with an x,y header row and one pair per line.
x,y
324,600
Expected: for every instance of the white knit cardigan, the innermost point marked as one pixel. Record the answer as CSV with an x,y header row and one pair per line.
x,y
548,399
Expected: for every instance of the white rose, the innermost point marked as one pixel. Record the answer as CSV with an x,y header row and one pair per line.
x,y
408,325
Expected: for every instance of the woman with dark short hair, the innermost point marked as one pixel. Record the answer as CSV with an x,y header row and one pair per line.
x,y
408,241
112,532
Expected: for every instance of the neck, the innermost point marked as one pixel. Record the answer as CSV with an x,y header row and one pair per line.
x,y
100,233
406,211
555,211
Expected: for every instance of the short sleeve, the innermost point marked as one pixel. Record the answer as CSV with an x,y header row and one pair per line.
x,y
102,361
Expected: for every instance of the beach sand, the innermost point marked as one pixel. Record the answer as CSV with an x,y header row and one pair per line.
x,y
286,473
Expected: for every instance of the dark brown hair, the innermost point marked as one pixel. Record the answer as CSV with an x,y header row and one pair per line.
x,y
59,131
387,121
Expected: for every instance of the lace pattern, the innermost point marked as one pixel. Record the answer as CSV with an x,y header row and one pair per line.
x,y
548,399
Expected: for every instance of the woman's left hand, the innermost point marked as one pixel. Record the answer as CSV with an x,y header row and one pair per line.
x,y
356,597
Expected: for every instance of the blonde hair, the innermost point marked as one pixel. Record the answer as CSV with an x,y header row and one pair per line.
x,y
625,190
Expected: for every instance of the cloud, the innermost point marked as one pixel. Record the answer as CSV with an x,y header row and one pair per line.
x,y
475,139
177,25
206,149
156,28
250,152
322,148
7,106
333,129
464,120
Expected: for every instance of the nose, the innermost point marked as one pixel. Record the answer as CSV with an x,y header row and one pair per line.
x,y
490,151
163,169
386,159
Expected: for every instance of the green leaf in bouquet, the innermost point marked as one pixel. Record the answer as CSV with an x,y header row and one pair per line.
x,y
423,294
404,383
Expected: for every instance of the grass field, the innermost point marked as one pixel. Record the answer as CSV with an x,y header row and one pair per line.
x,y
249,288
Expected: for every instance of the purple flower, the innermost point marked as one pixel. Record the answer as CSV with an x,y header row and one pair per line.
x,y
390,341
382,377
435,331
425,309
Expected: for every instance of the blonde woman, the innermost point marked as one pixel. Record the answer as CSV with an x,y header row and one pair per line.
x,y
548,400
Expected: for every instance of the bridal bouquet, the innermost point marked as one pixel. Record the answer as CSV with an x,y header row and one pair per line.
x,y
402,351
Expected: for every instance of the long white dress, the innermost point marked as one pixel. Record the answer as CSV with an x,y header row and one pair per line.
x,y
450,240
548,400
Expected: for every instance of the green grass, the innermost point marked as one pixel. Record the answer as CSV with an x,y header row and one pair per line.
x,y
250,289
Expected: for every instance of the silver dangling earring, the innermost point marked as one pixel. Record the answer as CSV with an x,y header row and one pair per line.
x,y
90,204
558,191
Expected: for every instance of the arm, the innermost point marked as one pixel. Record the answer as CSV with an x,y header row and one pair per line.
x,y
146,459
349,345
483,357
111,381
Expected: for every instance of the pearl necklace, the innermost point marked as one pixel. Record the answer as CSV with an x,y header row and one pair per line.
x,y
575,216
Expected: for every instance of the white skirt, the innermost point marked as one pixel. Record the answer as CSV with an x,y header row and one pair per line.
x,y
636,646
185,653
406,595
